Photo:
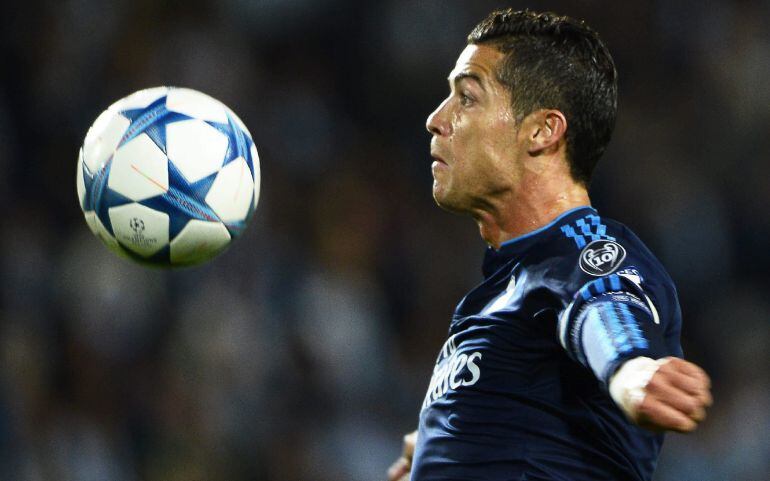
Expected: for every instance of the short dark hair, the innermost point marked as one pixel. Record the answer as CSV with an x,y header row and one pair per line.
x,y
557,62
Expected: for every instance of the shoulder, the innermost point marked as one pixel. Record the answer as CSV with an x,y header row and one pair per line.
x,y
595,249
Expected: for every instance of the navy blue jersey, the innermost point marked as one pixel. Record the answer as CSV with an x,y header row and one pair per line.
x,y
520,387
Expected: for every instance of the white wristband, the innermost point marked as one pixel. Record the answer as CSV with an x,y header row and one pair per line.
x,y
627,386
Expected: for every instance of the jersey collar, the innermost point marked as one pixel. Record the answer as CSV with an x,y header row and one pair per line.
x,y
517,246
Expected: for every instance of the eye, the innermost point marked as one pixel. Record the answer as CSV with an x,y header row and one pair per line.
x,y
465,99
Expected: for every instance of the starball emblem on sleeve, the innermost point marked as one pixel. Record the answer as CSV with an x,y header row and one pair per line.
x,y
601,257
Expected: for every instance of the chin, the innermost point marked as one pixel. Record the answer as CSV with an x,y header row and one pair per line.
x,y
446,201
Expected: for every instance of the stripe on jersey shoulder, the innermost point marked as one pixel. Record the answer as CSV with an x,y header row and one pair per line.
x,y
587,229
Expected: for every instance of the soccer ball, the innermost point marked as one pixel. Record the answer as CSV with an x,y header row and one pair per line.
x,y
168,177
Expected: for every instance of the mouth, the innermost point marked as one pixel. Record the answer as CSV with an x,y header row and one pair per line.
x,y
438,165
437,158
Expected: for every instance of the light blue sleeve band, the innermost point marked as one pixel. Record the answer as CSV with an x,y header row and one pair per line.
x,y
604,332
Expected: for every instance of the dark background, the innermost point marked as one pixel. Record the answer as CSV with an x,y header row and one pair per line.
x,y
303,352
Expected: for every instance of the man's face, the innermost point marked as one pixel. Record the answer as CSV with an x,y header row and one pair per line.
x,y
474,140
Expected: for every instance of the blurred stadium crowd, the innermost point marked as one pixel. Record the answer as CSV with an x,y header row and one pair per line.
x,y
303,353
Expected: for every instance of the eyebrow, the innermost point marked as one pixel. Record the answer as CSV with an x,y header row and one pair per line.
x,y
466,75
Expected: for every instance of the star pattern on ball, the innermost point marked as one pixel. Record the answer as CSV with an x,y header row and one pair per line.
x,y
99,197
238,143
178,203
151,121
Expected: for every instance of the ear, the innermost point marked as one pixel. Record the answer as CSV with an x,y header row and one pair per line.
x,y
547,128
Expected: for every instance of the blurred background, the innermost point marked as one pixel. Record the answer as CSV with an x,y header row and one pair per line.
x,y
303,352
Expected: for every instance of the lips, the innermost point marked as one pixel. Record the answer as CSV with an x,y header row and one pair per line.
x,y
437,157
438,165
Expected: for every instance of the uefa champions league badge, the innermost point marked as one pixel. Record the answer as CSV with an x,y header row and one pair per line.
x,y
601,257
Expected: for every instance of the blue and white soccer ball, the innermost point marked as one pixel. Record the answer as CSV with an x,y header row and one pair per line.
x,y
168,176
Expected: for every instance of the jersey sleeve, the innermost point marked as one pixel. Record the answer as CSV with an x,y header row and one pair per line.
x,y
610,320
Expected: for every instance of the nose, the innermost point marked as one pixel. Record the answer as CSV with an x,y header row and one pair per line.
x,y
437,123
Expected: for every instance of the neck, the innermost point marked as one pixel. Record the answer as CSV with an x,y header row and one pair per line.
x,y
528,211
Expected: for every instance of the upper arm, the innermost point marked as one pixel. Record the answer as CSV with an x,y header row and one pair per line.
x,y
611,319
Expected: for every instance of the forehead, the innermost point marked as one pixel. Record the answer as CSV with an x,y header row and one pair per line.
x,y
481,60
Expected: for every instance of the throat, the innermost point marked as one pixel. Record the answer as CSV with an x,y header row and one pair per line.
x,y
495,235
496,229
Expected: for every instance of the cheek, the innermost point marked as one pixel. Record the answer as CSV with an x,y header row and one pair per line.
x,y
466,133
500,142
482,143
